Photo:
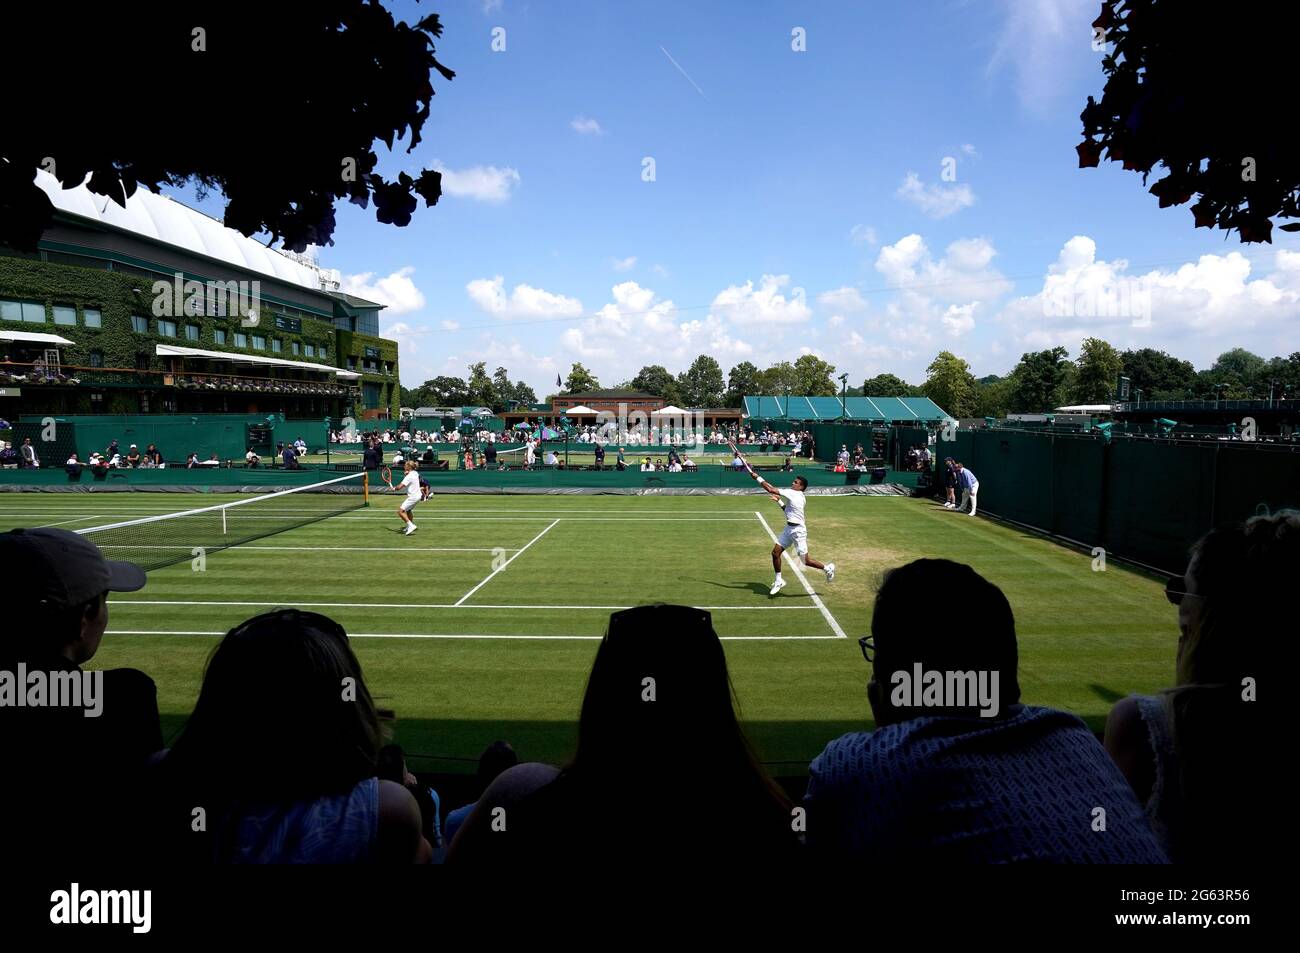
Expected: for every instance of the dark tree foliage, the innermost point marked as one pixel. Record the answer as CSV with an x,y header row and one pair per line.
x,y
276,105
1198,87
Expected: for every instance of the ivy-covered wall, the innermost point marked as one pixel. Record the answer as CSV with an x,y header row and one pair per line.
x,y
351,344
111,292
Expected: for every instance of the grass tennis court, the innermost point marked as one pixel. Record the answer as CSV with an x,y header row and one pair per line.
x,y
483,624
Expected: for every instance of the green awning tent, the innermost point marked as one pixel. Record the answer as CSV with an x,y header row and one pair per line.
x,y
883,410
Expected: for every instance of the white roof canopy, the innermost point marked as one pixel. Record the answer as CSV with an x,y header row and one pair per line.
x,y
1086,409
164,220
579,410
669,411
32,337
173,350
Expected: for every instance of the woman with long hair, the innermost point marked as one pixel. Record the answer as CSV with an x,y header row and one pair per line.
x,y
1194,754
662,770
277,763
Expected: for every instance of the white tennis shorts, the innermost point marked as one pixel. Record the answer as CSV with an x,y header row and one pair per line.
x,y
796,536
408,505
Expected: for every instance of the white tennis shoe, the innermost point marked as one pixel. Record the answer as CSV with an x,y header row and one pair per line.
x,y
830,572
776,586
410,528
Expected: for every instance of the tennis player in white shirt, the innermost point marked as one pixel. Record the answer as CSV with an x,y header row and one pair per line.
x,y
411,484
795,533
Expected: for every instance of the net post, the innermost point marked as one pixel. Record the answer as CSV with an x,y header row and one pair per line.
x,y
223,521
365,488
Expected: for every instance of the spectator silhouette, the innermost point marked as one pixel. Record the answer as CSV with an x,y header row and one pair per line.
x,y
391,766
71,770
662,773
280,754
951,781
495,759
1194,754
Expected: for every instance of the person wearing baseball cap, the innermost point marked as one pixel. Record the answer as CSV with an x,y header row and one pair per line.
x,y
57,585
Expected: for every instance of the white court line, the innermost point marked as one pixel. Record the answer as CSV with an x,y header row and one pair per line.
x,y
49,509
798,571
418,605
440,519
493,573
79,519
535,638
327,549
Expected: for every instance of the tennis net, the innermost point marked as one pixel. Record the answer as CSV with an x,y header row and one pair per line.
x,y
153,542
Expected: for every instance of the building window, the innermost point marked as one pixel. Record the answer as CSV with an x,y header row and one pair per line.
x,y
276,344
65,315
352,363
167,328
96,358
324,351
295,347
33,312
259,343
169,405
93,318
241,339
96,398
141,361
219,336
191,332
139,325
309,350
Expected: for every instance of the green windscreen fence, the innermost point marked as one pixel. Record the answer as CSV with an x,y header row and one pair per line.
x,y
1141,500
1160,500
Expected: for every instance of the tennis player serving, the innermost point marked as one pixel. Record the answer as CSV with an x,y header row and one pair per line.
x,y
795,533
411,484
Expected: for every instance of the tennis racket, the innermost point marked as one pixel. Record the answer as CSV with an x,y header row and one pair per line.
x,y
386,474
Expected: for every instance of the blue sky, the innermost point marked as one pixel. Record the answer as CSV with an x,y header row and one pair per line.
x,y
800,203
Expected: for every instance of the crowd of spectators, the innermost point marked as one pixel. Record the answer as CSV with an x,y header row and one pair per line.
x,y
262,385
285,771
36,372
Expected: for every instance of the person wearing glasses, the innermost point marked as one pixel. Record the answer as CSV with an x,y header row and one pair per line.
x,y
282,753
952,776
1194,754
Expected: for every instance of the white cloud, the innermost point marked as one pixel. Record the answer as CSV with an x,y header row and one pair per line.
x,y
970,150
638,327
660,270
863,235
490,6
586,126
1194,311
959,319
1048,43
624,264
524,301
482,183
935,200
745,304
962,275
449,325
847,298
397,292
